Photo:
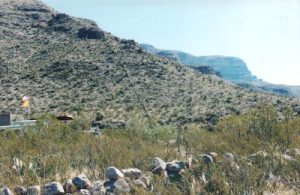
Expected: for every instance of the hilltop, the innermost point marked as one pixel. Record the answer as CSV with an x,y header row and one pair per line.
x,y
69,64
232,69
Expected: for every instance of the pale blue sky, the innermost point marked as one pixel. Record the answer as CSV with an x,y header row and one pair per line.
x,y
264,33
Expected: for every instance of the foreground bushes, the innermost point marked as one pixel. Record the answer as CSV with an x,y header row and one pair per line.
x,y
55,151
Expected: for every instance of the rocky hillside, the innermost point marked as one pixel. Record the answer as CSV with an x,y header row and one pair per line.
x,y
232,69
69,64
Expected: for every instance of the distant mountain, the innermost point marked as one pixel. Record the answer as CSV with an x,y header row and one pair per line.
x,y
232,69
69,64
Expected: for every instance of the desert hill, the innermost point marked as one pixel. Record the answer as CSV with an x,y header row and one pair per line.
x,y
69,64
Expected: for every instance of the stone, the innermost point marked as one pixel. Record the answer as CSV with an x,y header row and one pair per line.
x,y
287,157
146,179
157,170
113,173
82,182
121,186
229,156
173,167
117,186
69,187
90,33
53,188
109,185
132,173
213,154
207,158
6,191
84,192
34,190
160,163
98,188
139,183
20,190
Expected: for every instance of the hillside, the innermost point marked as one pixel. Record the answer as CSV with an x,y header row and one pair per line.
x,y
69,64
232,69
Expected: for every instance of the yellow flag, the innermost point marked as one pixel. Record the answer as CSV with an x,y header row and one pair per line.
x,y
25,102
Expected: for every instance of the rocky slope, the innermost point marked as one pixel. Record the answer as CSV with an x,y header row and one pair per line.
x,y
232,69
69,64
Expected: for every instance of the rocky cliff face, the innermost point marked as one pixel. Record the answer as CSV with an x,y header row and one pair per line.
x,y
232,69
69,64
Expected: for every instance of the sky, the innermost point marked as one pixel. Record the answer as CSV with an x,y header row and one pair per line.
x,y
265,34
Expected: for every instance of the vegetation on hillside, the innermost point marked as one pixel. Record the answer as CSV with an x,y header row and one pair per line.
x,y
263,149
68,64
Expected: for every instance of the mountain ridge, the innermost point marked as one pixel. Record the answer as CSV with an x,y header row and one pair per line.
x,y
232,68
68,64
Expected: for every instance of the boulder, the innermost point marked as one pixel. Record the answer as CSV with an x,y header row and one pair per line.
x,y
69,187
109,185
132,173
139,183
160,163
34,190
6,191
20,190
117,186
53,188
82,182
113,173
121,186
207,158
173,167
98,188
213,154
229,156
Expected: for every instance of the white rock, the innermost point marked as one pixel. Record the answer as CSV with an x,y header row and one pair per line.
x,y
53,188
6,191
34,190
117,186
121,186
82,182
98,188
132,173
229,156
287,157
160,163
113,173
139,183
